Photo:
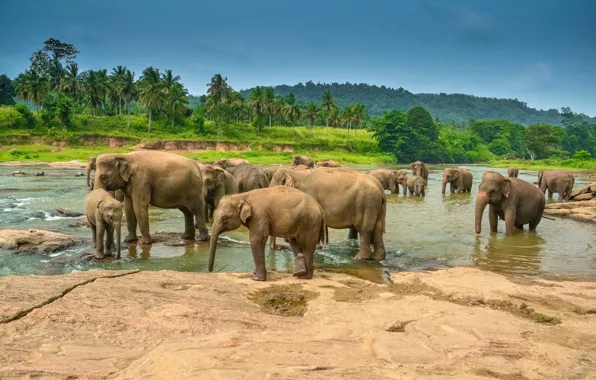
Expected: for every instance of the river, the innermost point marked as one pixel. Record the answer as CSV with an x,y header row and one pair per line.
x,y
422,233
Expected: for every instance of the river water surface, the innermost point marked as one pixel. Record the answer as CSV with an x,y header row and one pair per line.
x,y
422,233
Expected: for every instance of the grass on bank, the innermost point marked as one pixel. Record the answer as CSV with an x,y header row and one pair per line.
x,y
565,164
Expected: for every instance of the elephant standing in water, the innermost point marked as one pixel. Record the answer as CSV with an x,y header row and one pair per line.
x,y
303,160
275,211
556,181
513,172
460,180
249,177
349,199
514,200
104,214
421,169
416,186
327,164
391,179
161,179
217,182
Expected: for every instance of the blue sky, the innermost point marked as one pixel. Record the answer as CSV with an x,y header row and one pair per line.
x,y
542,52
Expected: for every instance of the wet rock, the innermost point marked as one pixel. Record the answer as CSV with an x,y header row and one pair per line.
x,y
583,211
80,174
39,174
68,213
18,173
36,241
584,193
78,223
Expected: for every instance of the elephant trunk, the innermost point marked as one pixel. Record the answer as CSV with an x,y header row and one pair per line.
x,y
118,228
393,187
88,170
444,185
404,184
481,202
213,245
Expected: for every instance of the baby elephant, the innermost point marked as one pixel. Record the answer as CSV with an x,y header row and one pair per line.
x,y
277,211
104,213
416,186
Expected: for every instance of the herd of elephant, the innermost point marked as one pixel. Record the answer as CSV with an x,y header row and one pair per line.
x,y
297,202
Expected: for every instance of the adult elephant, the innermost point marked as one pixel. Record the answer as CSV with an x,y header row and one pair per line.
x,y
160,179
556,181
217,182
226,163
270,171
459,179
513,172
303,160
249,177
349,199
421,169
90,166
327,164
391,179
514,200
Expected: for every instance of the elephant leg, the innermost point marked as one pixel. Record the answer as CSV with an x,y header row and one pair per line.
x,y
100,232
206,213
299,260
364,252
493,219
257,245
550,194
274,246
198,210
131,221
452,188
519,226
142,214
189,224
109,239
534,223
93,232
308,251
378,244
509,222
352,234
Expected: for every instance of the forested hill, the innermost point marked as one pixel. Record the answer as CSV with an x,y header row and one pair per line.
x,y
460,108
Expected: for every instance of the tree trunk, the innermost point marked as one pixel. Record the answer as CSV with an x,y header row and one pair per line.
x,y
172,123
269,120
149,128
128,111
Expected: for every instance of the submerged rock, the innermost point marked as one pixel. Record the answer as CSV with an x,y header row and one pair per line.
x,y
36,241
68,213
19,173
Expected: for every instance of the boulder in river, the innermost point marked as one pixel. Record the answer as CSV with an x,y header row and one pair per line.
x,y
36,241
40,174
68,213
18,173
80,174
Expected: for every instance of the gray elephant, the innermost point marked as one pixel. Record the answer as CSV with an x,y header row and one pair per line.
x,y
391,179
217,182
416,186
349,199
421,169
513,200
327,164
249,177
91,164
513,172
459,179
556,181
226,163
303,160
274,211
270,171
161,179
104,214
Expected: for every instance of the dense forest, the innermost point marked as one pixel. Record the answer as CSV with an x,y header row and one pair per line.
x,y
460,108
56,98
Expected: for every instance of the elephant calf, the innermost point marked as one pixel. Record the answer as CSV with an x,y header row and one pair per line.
x,y
513,172
104,213
303,160
556,181
460,180
391,179
416,186
217,182
276,211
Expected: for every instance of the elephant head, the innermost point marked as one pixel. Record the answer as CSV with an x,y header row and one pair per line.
x,y
417,168
113,171
90,166
111,213
398,177
233,211
494,189
213,177
296,160
449,175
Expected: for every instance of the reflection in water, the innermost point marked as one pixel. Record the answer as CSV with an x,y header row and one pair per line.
x,y
518,253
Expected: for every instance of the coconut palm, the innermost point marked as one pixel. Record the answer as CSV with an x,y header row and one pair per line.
x,y
129,91
280,104
117,85
71,82
34,87
329,105
237,105
55,74
256,101
269,104
177,101
292,112
96,88
151,92
311,111
360,114
219,89
169,79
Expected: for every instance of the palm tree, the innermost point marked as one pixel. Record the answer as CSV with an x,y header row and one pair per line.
x,y
269,104
129,91
169,79
151,92
237,105
333,119
34,87
177,102
96,88
280,105
292,112
55,74
328,104
256,101
311,111
360,114
219,89
117,84
71,82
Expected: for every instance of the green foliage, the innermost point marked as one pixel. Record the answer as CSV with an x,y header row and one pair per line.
x,y
543,140
6,91
582,155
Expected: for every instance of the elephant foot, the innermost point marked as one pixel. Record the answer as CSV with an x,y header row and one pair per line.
x,y
99,255
307,276
363,256
259,276
278,247
186,236
131,239
145,241
299,265
380,256
204,237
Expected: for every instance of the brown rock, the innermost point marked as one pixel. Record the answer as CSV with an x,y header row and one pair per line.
x,y
584,197
460,323
36,241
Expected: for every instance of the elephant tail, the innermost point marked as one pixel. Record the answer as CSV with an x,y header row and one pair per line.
x,y
383,213
323,238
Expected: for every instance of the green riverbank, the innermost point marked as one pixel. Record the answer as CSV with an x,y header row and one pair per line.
x,y
565,164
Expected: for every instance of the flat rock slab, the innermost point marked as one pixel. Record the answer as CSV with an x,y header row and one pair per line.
x,y
36,241
435,325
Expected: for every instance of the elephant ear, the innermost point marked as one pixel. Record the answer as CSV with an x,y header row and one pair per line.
x,y
506,188
455,175
124,169
288,180
221,176
245,211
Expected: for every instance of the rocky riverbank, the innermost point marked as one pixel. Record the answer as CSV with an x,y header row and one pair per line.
x,y
459,323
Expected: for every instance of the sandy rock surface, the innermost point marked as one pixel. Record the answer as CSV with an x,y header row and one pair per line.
x,y
583,211
35,241
450,324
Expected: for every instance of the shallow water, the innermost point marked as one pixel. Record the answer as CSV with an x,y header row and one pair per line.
x,y
422,233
